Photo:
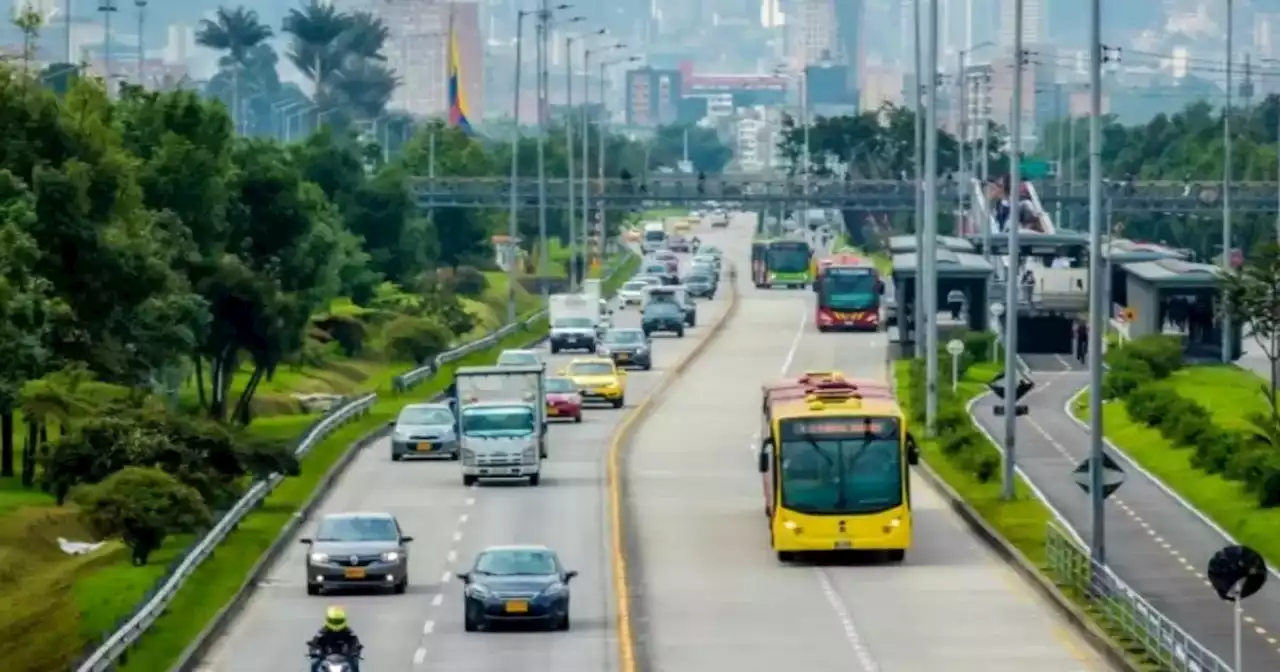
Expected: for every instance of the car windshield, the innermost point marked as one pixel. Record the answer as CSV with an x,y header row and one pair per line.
x,y
516,563
711,249
497,421
650,281
591,369
517,359
573,323
635,286
666,306
841,472
624,337
656,268
560,386
697,280
357,528
424,416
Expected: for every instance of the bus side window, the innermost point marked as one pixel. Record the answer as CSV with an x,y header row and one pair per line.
x,y
765,456
913,450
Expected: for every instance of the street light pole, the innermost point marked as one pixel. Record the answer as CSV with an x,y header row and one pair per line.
x,y
918,186
107,7
513,217
142,50
544,17
1011,269
568,144
1226,180
1097,282
931,227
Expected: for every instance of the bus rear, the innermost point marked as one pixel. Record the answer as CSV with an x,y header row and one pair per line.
x,y
848,298
836,473
790,264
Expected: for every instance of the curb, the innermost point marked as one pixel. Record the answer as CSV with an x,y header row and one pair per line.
x,y
623,544
1014,558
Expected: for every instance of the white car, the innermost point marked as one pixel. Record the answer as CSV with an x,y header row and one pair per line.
x,y
520,358
632,293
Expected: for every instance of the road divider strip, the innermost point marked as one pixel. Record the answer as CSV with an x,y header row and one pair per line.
x,y
628,660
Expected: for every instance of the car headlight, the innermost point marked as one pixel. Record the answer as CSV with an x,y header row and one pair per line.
x,y
603,352
554,589
390,556
319,558
477,591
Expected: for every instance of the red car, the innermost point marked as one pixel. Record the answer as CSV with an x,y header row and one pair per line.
x,y
563,400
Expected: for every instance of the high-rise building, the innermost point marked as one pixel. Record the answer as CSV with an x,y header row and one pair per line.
x,y
653,96
1032,22
417,49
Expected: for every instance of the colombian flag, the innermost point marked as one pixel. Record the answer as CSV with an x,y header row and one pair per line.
x,y
457,98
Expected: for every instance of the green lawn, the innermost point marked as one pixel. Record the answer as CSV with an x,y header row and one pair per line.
x,y
1230,394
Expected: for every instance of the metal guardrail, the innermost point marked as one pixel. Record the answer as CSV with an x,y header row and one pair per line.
x,y
1123,609
117,644
114,647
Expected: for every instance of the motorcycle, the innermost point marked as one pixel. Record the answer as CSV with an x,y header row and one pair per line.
x,y
334,662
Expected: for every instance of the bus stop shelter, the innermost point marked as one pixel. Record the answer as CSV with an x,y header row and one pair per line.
x,y
1119,253
1172,296
967,272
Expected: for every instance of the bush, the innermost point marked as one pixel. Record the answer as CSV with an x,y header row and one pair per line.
x,y
469,282
416,339
1163,354
1149,403
141,506
1126,374
348,331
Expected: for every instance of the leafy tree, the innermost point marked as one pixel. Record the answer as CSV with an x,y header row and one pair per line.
x,y
142,507
1253,297
707,152
341,54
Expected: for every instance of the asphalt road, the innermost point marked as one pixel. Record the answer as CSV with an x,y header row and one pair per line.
x,y
710,594
422,629
1156,545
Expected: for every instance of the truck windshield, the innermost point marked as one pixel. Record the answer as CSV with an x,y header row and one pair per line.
x,y
843,290
789,258
573,323
842,473
655,236
497,421
662,307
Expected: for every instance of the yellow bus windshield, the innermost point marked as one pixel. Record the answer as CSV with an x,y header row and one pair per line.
x,y
840,465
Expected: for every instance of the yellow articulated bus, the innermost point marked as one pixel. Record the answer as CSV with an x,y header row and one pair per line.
x,y
835,460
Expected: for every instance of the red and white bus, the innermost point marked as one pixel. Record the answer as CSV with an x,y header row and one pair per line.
x,y
849,292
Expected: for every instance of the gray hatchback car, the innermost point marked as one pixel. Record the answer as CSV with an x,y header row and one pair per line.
x,y
424,430
357,550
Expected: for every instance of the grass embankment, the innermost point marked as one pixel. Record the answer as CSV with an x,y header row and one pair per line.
x,y
1231,395
218,580
55,603
1023,522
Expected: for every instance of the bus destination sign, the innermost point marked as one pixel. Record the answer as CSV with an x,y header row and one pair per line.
x,y
818,428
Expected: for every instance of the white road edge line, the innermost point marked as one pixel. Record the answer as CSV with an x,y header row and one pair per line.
x,y
419,656
437,600
428,627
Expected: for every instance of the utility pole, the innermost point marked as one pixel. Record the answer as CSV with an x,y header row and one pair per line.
x,y
1098,274
574,253
931,227
1011,275
961,82
107,7
513,218
1227,179
142,41
544,18
918,186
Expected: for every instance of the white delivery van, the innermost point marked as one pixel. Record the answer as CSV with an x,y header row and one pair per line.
x,y
574,322
654,237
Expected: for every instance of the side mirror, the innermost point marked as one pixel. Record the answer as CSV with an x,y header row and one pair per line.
x,y
391,423
405,540
913,450
305,541
880,288
570,574
765,455
464,577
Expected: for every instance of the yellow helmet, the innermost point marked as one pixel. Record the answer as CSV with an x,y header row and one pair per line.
x,y
335,619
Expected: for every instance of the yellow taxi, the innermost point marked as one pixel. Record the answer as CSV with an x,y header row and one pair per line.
x,y
598,380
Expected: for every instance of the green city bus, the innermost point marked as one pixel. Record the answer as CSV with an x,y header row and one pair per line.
x,y
789,263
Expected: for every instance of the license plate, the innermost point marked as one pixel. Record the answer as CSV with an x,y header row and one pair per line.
x,y
425,447
354,572
622,357
517,607
844,545
553,411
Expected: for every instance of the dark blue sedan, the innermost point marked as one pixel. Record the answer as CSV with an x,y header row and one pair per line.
x,y
516,584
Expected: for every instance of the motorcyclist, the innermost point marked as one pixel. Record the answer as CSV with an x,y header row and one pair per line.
x,y
696,244
335,637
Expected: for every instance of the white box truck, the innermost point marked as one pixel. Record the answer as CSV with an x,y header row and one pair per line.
x,y
575,321
502,422
654,237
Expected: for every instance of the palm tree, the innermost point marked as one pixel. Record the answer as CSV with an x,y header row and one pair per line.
x,y
314,49
236,32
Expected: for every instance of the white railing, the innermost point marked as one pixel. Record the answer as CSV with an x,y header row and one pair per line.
x,y
1045,221
117,644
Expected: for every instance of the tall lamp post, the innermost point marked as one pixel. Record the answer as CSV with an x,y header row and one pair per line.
x,y
141,5
586,132
574,253
513,216
544,27
600,145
